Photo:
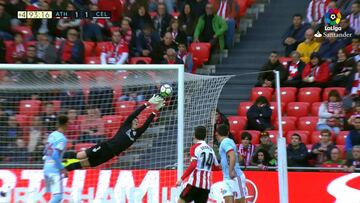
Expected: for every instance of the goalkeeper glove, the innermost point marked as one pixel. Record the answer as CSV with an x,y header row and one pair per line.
x,y
155,99
160,105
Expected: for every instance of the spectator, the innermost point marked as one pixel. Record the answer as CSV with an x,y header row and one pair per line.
x,y
65,24
4,120
18,153
354,162
72,50
45,51
345,28
36,135
294,35
353,85
267,77
354,114
261,159
227,10
72,99
354,17
331,113
59,5
335,159
2,51
329,47
342,70
140,19
31,57
187,22
101,96
345,6
315,11
126,31
46,26
147,41
130,91
353,138
162,20
198,7
5,24
315,73
49,117
295,68
266,144
93,28
353,49
186,57
159,53
12,7
116,9
17,51
73,128
246,149
297,152
92,128
13,131
259,115
210,28
178,35
274,160
308,47
116,52
321,150
171,57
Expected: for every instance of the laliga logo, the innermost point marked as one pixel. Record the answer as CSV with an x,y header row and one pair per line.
x,y
332,18
342,192
217,188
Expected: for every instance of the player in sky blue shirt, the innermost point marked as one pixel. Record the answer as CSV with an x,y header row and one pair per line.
x,y
53,153
234,187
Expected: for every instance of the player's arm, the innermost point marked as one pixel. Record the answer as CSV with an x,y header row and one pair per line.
x,y
191,167
216,166
142,129
56,156
154,100
231,156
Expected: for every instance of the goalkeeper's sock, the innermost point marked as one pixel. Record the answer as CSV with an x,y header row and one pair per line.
x,y
73,166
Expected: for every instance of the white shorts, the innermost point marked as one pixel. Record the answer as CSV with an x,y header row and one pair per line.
x,y
235,187
53,182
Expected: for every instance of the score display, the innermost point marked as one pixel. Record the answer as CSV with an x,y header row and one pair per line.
x,y
63,14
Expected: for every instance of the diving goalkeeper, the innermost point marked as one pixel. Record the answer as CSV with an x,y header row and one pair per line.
x,y
127,134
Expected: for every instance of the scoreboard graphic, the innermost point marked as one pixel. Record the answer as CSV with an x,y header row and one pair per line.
x,y
62,14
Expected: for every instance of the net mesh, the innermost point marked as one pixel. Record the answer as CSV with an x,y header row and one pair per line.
x,y
97,102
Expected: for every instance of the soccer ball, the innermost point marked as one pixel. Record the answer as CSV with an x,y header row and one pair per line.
x,y
165,90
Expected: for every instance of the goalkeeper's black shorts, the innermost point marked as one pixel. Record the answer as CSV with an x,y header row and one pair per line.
x,y
99,154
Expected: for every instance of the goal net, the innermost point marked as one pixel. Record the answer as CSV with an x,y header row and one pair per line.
x,y
97,102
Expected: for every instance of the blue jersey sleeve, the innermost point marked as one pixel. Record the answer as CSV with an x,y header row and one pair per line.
x,y
227,146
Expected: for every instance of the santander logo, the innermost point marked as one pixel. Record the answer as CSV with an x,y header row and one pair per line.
x,y
343,193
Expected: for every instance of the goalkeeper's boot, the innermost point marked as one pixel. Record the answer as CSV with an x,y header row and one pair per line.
x,y
67,162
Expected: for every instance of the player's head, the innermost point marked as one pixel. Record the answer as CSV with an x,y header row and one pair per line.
x,y
62,121
135,124
200,132
222,131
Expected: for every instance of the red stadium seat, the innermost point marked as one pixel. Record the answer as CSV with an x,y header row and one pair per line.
x,y
55,73
244,107
273,106
125,108
305,136
309,147
31,43
89,48
309,94
340,139
315,137
112,123
135,60
255,136
175,14
237,123
288,94
93,60
307,123
297,109
24,121
100,46
24,30
30,107
288,123
284,60
273,134
82,146
261,91
326,91
200,52
315,108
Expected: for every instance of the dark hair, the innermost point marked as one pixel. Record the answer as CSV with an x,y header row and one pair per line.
x,y
222,130
245,135
316,55
62,120
274,52
325,131
334,93
32,46
261,100
297,15
296,135
141,62
200,132
266,156
345,52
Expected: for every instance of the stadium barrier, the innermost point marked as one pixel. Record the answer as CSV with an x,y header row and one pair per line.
x,y
153,186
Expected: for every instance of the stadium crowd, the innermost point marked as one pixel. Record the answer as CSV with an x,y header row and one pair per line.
x,y
153,32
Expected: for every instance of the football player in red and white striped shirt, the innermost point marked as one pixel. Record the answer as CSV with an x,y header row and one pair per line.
x,y
202,161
